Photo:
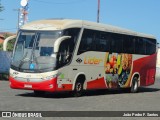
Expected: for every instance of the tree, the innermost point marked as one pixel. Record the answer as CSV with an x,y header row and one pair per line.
x,y
10,44
1,7
1,47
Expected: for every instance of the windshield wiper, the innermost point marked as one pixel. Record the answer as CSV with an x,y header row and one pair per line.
x,y
33,59
23,60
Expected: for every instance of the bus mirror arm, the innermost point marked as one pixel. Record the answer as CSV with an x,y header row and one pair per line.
x,y
58,42
6,41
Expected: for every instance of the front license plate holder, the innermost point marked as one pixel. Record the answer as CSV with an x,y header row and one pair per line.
x,y
27,86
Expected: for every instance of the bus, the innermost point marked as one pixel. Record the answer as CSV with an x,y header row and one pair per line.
x,y
158,58
59,55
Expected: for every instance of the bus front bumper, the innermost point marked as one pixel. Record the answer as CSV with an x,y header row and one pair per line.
x,y
48,85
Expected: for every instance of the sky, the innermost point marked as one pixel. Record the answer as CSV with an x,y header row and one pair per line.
x,y
138,15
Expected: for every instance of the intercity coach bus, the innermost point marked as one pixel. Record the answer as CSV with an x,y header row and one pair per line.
x,y
56,55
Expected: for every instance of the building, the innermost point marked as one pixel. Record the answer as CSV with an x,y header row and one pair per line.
x,y
1,38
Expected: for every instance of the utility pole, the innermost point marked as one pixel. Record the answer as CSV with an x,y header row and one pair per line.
x,y
18,10
24,12
98,11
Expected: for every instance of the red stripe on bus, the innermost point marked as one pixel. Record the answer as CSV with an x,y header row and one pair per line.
x,y
146,68
97,84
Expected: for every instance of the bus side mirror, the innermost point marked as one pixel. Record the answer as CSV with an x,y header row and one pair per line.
x,y
58,42
6,42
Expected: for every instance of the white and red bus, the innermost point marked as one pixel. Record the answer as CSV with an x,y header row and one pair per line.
x,y
57,55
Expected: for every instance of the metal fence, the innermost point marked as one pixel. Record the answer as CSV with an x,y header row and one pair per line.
x,y
5,60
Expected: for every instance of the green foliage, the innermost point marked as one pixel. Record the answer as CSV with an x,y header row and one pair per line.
x,y
1,47
1,7
10,44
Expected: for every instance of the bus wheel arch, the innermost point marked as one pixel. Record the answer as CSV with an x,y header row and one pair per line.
x,y
78,85
135,83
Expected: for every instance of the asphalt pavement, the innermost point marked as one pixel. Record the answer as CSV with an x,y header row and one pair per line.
x,y
147,99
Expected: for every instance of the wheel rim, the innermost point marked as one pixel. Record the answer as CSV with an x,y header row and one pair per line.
x,y
135,85
78,87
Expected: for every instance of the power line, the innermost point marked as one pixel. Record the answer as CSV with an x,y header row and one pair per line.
x,y
69,2
2,30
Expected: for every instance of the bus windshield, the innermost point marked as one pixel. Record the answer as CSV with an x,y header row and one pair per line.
x,y
34,51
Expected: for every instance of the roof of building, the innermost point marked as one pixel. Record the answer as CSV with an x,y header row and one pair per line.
x,y
1,36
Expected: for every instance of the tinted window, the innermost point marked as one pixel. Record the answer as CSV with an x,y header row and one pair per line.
x,y
74,33
140,46
128,44
116,43
102,41
86,41
150,46
93,40
66,48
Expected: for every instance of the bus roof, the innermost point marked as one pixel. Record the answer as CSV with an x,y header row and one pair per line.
x,y
60,24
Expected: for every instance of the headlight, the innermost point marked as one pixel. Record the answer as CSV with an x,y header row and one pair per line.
x,y
49,77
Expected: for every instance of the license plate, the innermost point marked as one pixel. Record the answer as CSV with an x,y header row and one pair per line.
x,y
27,86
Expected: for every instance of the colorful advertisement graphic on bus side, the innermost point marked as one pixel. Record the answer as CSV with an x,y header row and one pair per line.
x,y
117,69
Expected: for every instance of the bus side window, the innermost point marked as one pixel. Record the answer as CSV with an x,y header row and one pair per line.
x,y
74,33
150,46
67,47
62,54
128,44
116,43
140,46
102,41
86,43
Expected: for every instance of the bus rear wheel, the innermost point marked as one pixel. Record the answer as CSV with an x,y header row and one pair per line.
x,y
134,86
78,90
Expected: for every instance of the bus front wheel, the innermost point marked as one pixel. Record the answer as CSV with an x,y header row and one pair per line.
x,y
134,86
78,90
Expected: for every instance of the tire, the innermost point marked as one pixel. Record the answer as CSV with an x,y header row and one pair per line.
x,y
134,86
78,89
39,93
